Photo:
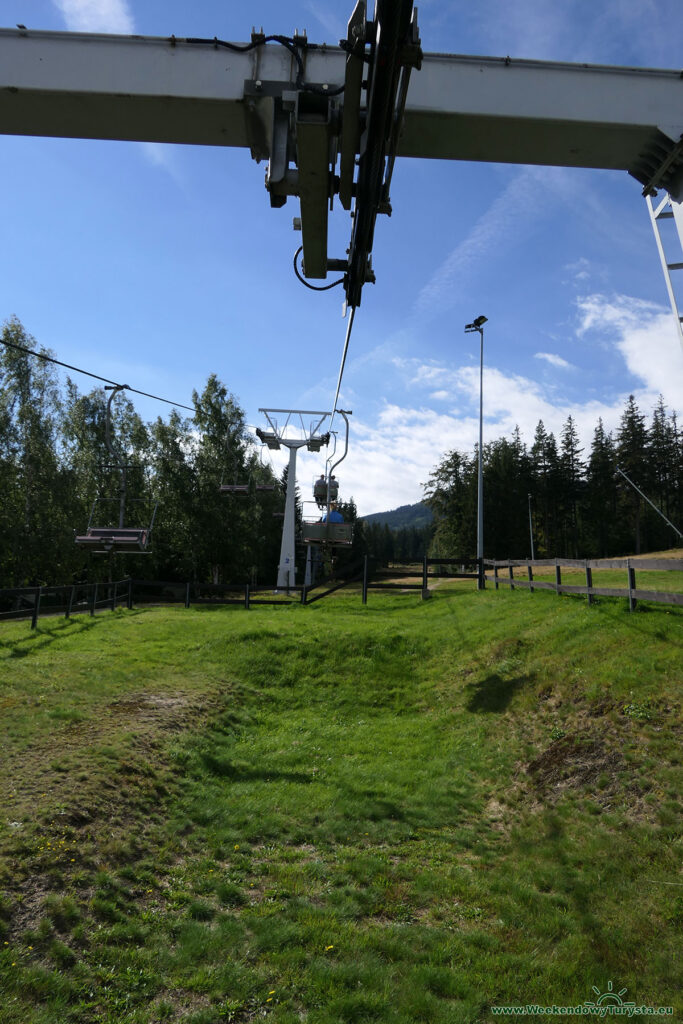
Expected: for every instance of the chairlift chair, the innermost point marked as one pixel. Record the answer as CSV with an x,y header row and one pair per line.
x,y
124,540
320,490
336,535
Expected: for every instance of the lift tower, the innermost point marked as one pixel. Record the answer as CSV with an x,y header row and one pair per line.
x,y
280,436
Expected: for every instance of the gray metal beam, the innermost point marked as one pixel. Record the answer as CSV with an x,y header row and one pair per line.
x,y
459,108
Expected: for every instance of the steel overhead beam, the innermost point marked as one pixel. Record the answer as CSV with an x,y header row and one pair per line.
x,y
153,89
162,89
459,108
536,112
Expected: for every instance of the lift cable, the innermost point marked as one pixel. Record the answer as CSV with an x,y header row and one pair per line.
x,y
293,45
343,363
87,373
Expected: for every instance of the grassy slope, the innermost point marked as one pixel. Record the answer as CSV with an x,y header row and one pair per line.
x,y
406,812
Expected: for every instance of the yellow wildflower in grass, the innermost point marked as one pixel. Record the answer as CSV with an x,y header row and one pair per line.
x,y
328,948
269,999
237,846
272,992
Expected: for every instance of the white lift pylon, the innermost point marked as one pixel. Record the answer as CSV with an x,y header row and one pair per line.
x,y
668,213
280,435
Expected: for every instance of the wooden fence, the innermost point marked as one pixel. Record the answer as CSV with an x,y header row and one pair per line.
x,y
88,598
628,565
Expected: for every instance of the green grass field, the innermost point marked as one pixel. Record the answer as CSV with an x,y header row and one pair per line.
x,y
412,811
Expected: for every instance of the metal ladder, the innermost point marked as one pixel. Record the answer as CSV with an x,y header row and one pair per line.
x,y
670,210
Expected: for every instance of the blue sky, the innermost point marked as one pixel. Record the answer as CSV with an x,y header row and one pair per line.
x,y
158,265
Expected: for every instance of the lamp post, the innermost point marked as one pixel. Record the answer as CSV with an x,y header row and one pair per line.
x,y
478,325
531,530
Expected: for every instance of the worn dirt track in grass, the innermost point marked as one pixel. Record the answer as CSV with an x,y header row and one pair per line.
x,y
402,814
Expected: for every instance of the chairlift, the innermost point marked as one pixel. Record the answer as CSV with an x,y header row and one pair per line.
x,y
335,535
265,486
121,539
320,490
234,487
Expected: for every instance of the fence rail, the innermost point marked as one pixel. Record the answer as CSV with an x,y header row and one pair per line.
x,y
632,592
88,598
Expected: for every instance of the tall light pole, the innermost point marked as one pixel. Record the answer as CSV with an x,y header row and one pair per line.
x,y
478,325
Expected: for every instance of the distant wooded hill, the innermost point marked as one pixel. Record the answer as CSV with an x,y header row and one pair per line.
x,y
417,515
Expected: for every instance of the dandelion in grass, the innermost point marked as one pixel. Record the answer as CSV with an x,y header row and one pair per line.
x,y
328,948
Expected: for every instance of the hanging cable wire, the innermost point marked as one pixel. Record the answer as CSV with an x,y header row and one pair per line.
x,y
313,287
87,373
343,363
293,45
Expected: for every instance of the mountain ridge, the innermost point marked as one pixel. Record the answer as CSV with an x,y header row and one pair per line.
x,y
417,515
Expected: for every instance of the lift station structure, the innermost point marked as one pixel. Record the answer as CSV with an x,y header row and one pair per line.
x,y
331,120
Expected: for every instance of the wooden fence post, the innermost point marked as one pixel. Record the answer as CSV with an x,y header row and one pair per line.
x,y
71,601
114,588
246,596
631,585
94,598
511,574
589,583
558,577
36,608
530,575
365,579
187,594
425,580
495,577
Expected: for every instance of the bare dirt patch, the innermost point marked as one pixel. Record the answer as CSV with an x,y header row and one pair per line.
x,y
571,763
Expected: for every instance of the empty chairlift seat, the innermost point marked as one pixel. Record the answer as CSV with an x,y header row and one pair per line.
x,y
122,540
234,488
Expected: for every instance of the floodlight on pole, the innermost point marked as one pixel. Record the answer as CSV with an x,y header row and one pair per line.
x,y
478,326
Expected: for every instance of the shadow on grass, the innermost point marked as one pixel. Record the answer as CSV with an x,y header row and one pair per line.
x,y
494,693
241,772
578,886
46,635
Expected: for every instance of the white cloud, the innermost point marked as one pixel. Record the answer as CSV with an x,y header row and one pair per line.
x,y
96,16
393,454
553,360
645,334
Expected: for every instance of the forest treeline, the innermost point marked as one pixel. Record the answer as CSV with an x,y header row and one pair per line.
x,y
54,464
580,506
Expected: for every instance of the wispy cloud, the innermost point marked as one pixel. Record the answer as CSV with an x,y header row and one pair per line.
x,y
329,20
161,155
96,15
393,453
554,360
513,216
